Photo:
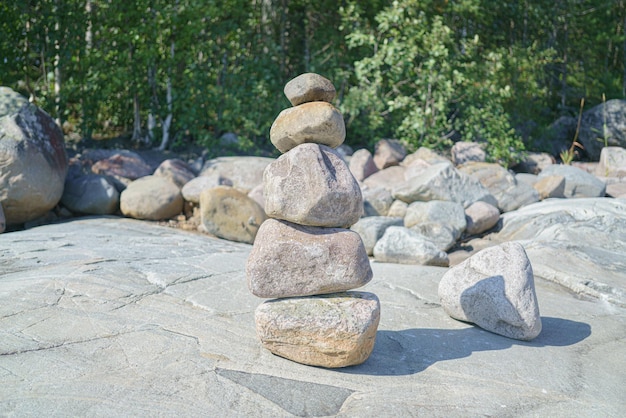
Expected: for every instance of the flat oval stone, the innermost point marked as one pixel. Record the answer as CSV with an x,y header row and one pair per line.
x,y
290,260
317,122
309,87
312,185
335,330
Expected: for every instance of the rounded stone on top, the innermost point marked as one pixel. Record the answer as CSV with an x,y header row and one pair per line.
x,y
309,87
313,122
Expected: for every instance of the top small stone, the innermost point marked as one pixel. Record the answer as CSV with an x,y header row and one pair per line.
x,y
309,87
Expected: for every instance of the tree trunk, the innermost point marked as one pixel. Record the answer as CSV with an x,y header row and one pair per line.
x,y
136,137
166,124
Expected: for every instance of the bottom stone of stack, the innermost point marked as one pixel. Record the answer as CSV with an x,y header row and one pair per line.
x,y
333,330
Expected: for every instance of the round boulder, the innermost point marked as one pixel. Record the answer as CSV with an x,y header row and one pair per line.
x,y
153,198
33,162
92,194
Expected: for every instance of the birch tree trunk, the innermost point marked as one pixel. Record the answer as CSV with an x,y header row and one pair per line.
x,y
167,122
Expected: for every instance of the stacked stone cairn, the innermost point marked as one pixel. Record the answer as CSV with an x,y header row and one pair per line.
x,y
304,257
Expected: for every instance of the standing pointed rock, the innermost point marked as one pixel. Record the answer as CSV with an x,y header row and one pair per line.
x,y
494,289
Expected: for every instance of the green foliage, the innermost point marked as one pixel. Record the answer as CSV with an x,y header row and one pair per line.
x,y
424,86
428,72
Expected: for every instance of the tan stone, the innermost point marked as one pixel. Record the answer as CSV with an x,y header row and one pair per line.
x,y
386,178
151,197
312,185
230,214
316,122
362,164
176,170
309,87
293,260
244,173
550,186
335,330
398,209
389,152
612,162
480,217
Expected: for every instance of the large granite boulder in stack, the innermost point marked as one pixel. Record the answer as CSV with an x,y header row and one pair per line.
x,y
305,257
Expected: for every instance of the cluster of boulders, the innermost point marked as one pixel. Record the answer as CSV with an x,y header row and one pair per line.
x,y
304,257
318,211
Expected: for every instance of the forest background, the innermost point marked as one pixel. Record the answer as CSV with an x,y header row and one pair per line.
x,y
168,73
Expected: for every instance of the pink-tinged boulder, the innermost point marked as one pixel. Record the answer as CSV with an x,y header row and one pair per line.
x,y
230,214
33,162
151,197
387,178
312,185
335,330
480,217
494,289
388,152
362,164
178,171
122,166
550,187
294,260
309,87
313,122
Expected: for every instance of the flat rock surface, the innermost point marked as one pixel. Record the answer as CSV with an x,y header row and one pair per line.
x,y
117,317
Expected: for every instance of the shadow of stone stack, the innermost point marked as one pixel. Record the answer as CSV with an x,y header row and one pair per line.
x,y
304,258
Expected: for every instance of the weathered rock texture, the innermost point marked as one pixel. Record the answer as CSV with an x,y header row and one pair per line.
x,y
313,122
312,185
578,183
494,289
441,181
335,330
152,198
578,244
230,173
293,260
230,214
94,329
92,194
33,162
401,245
309,87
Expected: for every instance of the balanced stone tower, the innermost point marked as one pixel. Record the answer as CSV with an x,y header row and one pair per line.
x,y
304,257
